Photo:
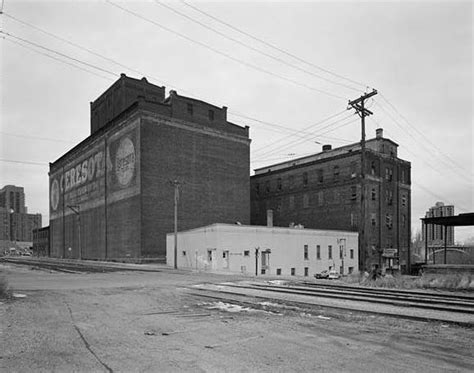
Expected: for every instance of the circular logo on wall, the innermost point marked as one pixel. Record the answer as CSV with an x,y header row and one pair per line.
x,y
54,194
125,161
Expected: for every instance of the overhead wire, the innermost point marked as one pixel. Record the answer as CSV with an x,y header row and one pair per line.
x,y
273,46
235,59
421,144
58,53
280,60
420,133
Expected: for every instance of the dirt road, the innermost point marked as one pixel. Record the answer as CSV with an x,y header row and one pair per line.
x,y
152,322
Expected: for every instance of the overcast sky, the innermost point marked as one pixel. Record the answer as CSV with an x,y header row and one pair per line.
x,y
315,56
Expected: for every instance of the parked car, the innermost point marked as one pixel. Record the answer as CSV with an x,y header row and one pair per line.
x,y
323,274
333,274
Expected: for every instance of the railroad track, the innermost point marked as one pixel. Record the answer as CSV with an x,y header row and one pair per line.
x,y
426,301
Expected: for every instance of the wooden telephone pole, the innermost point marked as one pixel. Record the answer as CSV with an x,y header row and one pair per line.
x,y
359,105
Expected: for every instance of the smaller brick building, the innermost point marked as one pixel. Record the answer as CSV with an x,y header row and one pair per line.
x,y
323,191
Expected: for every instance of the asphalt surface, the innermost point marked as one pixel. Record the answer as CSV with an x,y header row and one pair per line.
x,y
126,321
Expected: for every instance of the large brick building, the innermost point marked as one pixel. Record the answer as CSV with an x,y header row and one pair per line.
x,y
110,196
323,191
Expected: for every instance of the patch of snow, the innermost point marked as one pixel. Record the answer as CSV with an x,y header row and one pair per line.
x,y
17,295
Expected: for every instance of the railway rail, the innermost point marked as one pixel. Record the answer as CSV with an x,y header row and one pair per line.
x,y
438,302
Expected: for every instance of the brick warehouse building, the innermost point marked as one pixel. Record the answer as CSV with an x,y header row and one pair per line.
x,y
322,191
110,196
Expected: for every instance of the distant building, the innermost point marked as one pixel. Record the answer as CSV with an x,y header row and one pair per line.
x,y
13,198
41,241
436,232
323,191
15,223
271,251
111,195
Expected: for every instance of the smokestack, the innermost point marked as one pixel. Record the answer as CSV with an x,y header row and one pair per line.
x,y
379,133
327,147
269,218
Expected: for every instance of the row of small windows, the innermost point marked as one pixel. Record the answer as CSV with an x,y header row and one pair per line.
x,y
320,177
190,110
306,271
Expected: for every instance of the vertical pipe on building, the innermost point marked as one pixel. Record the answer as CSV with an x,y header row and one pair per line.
x,y
398,215
256,261
175,225
105,197
426,242
362,245
445,242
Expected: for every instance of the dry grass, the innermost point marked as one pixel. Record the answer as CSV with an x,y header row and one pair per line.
x,y
453,281
5,291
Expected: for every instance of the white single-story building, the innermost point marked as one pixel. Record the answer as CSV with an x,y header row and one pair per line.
x,y
264,250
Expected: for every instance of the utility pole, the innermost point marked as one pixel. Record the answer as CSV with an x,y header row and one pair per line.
x,y
256,261
176,184
77,210
358,105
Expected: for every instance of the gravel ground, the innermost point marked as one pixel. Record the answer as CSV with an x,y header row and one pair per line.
x,y
153,322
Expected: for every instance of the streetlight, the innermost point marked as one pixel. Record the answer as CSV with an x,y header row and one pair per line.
x,y
77,210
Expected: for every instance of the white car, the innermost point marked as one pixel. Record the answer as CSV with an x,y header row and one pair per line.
x,y
333,274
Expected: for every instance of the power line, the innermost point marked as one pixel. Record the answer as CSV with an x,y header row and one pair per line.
x,y
35,137
24,162
439,197
273,46
303,131
55,58
58,53
88,50
315,136
421,144
421,133
255,67
253,48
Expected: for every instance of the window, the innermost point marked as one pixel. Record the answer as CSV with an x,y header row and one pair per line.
x,y
211,114
320,198
291,181
247,253
351,269
318,252
372,168
224,254
292,202
389,197
257,188
306,252
404,200
353,169
388,221
190,109
353,193
336,172
352,253
293,271
267,186
306,271
279,183
305,178
403,177
341,251
305,200
330,252
278,271
320,176
388,174
184,253
373,194
404,222
373,220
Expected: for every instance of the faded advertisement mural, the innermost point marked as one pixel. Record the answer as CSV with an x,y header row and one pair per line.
x,y
80,182
123,165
